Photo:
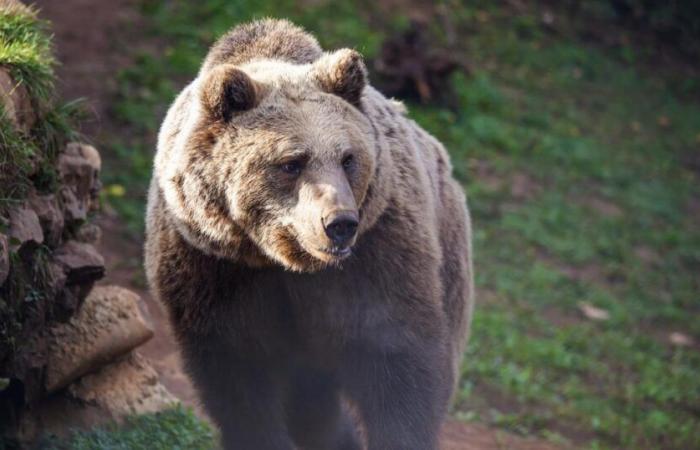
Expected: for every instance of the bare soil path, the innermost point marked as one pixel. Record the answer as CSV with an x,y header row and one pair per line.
x,y
94,39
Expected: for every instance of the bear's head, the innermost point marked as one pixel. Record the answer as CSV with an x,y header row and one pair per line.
x,y
272,161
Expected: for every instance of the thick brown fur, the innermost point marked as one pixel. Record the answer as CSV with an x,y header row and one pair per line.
x,y
282,326
269,38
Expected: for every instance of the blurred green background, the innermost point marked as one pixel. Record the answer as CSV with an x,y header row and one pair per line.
x,y
575,129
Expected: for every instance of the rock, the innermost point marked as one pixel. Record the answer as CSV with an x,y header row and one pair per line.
x,y
110,323
24,228
50,217
87,152
81,262
127,387
79,166
16,103
74,210
123,388
89,233
4,258
76,172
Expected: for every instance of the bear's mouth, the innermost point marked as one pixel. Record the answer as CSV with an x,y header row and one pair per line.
x,y
338,252
331,255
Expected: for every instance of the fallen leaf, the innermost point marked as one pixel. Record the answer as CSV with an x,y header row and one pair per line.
x,y
593,312
680,339
115,190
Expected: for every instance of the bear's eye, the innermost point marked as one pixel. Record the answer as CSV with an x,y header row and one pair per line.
x,y
292,167
347,161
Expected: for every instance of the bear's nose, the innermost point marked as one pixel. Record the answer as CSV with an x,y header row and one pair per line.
x,y
341,228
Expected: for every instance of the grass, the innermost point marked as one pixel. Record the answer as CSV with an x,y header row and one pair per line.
x,y
28,155
25,53
174,429
583,129
575,159
25,48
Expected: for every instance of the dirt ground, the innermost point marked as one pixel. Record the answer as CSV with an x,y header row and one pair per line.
x,y
94,40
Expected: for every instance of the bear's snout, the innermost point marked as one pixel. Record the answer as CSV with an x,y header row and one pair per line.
x,y
341,228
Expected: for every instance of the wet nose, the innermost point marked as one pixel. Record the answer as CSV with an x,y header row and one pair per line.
x,y
341,228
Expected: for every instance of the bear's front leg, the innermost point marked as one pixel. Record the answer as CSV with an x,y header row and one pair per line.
x,y
317,417
241,394
402,395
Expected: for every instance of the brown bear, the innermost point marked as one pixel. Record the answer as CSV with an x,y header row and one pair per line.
x,y
312,250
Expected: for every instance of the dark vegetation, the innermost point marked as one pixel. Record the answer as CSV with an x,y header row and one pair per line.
x,y
27,160
675,23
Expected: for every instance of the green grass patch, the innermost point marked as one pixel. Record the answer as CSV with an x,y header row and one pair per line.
x,y
575,159
601,146
174,429
25,48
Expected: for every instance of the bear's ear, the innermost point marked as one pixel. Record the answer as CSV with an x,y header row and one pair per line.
x,y
227,90
342,73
